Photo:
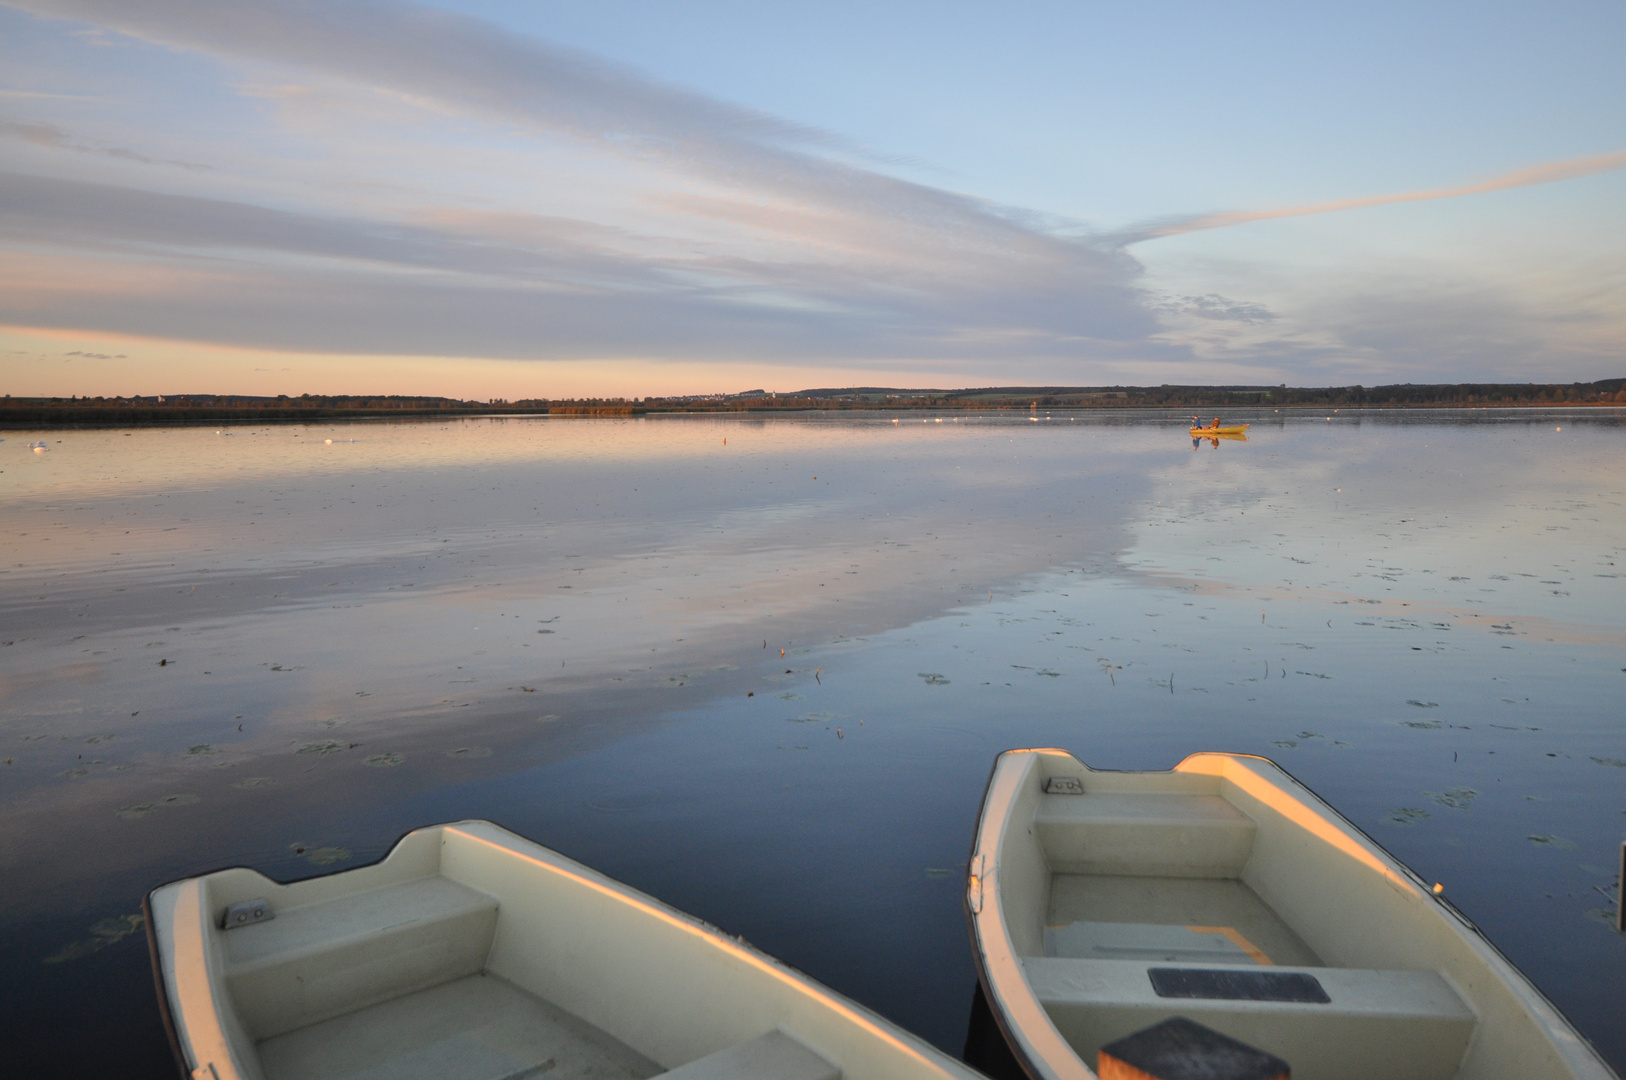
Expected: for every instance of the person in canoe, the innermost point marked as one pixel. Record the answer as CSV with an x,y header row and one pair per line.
x,y
1215,424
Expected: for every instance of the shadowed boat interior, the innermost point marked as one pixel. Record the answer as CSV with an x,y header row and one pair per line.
x,y
469,953
1106,903
480,1027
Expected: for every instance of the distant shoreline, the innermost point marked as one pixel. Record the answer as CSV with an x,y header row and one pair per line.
x,y
312,408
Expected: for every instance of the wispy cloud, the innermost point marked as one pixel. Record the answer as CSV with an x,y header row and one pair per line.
x,y
1552,172
474,68
49,135
497,284
807,226
38,134
1217,308
42,95
455,59
422,183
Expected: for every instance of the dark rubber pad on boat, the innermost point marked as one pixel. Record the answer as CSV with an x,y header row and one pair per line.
x,y
1182,1049
1237,985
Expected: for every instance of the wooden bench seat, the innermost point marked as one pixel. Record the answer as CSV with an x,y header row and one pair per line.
x,y
1124,833
311,962
774,1056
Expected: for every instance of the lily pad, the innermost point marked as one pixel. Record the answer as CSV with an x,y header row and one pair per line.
x,y
1457,798
102,934
135,813
1553,841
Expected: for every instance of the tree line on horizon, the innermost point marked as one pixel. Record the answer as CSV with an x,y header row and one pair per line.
x,y
169,408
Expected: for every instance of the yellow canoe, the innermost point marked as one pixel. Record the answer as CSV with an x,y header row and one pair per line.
x,y
1236,430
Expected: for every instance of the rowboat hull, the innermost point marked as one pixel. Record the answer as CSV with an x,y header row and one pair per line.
x,y
1234,430
1225,892
470,952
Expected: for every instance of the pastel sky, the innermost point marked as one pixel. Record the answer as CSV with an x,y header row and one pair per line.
x,y
488,198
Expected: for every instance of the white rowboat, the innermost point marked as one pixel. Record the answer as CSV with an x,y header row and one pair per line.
x,y
1225,892
470,953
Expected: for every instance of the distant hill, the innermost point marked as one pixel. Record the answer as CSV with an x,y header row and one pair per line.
x,y
1405,395
226,408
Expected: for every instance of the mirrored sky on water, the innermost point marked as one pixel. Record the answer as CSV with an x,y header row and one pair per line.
x,y
261,647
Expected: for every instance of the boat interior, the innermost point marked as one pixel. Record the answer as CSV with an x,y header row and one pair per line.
x,y
1225,893
470,953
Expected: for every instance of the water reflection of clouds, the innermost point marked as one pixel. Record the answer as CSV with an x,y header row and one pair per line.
x,y
332,582
941,594
107,462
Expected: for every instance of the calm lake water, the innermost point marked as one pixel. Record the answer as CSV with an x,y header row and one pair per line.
x,y
760,668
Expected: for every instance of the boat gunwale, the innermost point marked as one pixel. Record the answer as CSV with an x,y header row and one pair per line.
x,y
155,959
1033,1064
976,879
714,936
